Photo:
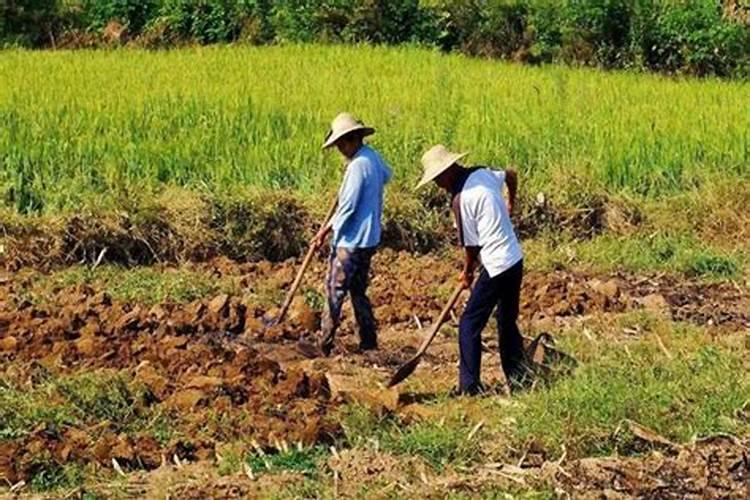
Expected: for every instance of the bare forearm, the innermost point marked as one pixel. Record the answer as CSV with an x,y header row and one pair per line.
x,y
511,180
471,259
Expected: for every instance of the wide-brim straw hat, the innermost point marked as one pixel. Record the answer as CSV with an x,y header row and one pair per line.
x,y
436,161
345,124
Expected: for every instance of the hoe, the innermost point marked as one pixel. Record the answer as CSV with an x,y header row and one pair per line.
x,y
298,279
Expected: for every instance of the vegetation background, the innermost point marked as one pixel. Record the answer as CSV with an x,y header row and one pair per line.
x,y
697,37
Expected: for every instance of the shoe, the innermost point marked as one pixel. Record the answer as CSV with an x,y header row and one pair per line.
x,y
308,350
368,346
478,390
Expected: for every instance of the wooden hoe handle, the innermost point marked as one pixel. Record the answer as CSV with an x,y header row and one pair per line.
x,y
303,267
441,319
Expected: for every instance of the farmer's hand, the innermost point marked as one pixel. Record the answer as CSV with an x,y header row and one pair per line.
x,y
320,238
466,278
510,208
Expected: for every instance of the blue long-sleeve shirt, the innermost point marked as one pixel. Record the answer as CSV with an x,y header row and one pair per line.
x,y
357,221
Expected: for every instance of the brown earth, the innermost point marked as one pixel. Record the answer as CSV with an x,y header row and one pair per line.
x,y
216,356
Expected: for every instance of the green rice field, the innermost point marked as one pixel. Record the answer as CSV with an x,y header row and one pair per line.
x,y
77,126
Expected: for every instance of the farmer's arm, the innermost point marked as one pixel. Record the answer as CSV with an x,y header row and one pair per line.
x,y
348,198
511,180
468,238
471,260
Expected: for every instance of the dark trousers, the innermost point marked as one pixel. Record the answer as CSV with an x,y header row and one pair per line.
x,y
504,292
349,274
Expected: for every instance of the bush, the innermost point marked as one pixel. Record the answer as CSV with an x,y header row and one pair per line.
x,y
133,14
596,32
29,22
692,37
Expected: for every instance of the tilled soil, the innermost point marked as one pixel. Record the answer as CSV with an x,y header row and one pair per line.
x,y
217,356
714,468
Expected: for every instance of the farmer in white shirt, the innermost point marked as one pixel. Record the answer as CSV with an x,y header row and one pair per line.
x,y
486,233
356,230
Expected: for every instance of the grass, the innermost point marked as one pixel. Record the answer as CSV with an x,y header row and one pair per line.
x,y
52,477
438,442
97,125
142,285
643,252
77,400
305,461
695,390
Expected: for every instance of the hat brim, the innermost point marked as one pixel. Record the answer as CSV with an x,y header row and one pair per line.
x,y
433,174
332,138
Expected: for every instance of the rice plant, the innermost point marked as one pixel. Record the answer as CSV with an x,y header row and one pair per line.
x,y
77,126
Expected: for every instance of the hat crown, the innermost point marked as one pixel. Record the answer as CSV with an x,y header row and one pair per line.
x,y
436,155
437,160
345,121
343,124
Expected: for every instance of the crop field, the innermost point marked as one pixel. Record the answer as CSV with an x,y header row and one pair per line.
x,y
155,205
79,124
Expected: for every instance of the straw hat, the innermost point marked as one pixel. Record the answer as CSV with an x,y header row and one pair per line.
x,y
436,161
344,124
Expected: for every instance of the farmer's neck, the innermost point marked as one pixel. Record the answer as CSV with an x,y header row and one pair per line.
x,y
447,180
349,146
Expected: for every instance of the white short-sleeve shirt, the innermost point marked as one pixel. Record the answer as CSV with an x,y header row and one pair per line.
x,y
483,220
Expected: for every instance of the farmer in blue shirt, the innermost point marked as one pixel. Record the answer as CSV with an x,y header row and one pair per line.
x,y
356,227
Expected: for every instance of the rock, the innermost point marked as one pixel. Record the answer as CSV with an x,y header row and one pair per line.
x,y
610,288
147,375
123,449
655,303
218,304
8,344
205,383
129,320
86,346
351,389
187,400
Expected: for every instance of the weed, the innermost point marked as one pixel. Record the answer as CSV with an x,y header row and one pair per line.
x,y
231,463
47,476
101,396
314,298
305,461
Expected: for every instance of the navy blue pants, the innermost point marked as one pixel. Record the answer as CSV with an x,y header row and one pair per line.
x,y
504,292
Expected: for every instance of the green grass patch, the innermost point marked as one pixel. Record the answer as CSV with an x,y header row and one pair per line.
x,y
307,488
77,400
696,392
49,476
505,494
439,442
142,285
683,254
304,461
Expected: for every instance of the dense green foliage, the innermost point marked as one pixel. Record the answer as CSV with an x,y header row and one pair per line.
x,y
676,36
